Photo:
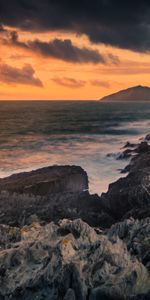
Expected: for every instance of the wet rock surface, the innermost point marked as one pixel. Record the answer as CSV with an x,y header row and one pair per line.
x,y
132,150
129,145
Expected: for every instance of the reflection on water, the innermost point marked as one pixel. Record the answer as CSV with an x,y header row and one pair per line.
x,y
37,134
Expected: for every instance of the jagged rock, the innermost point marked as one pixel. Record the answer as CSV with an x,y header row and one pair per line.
x,y
136,236
131,192
8,235
69,260
147,138
22,209
130,196
55,262
125,154
142,147
120,155
70,295
129,145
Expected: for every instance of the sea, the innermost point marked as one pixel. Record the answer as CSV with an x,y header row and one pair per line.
x,y
35,134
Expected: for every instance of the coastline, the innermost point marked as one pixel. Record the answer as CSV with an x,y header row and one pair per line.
x,y
64,135
50,225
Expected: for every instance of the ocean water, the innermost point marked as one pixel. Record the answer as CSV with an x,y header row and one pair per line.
x,y
42,133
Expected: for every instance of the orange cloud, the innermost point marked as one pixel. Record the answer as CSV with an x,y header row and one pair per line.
x,y
65,79
105,84
69,82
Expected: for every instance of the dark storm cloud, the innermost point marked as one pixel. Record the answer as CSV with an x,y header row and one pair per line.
x,y
69,82
60,49
125,23
13,75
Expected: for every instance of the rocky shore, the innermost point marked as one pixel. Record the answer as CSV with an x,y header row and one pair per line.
x,y
58,242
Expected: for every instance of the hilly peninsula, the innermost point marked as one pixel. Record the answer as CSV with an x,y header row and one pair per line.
x,y
136,93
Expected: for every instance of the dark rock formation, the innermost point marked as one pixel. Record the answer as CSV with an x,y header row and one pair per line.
x,y
68,261
125,154
121,155
48,180
147,138
20,209
130,196
131,192
131,150
142,147
51,194
129,145
137,93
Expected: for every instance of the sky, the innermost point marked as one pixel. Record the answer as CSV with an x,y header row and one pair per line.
x,y
72,50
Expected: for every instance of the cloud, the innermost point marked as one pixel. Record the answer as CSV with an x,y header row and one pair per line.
x,y
61,49
126,68
13,75
124,24
2,29
69,82
114,59
100,83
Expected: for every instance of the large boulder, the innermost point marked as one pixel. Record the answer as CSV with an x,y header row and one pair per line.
x,y
47,180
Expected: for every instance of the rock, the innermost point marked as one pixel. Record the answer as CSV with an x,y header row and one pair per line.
x,y
49,194
142,147
136,236
131,192
125,154
130,196
147,138
48,180
69,261
120,155
8,235
23,209
64,196
129,145
70,295
141,297
32,219
132,150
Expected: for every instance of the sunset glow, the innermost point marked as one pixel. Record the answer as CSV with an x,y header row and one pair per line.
x,y
88,70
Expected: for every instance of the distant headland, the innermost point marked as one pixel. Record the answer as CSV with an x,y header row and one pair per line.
x,y
136,93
